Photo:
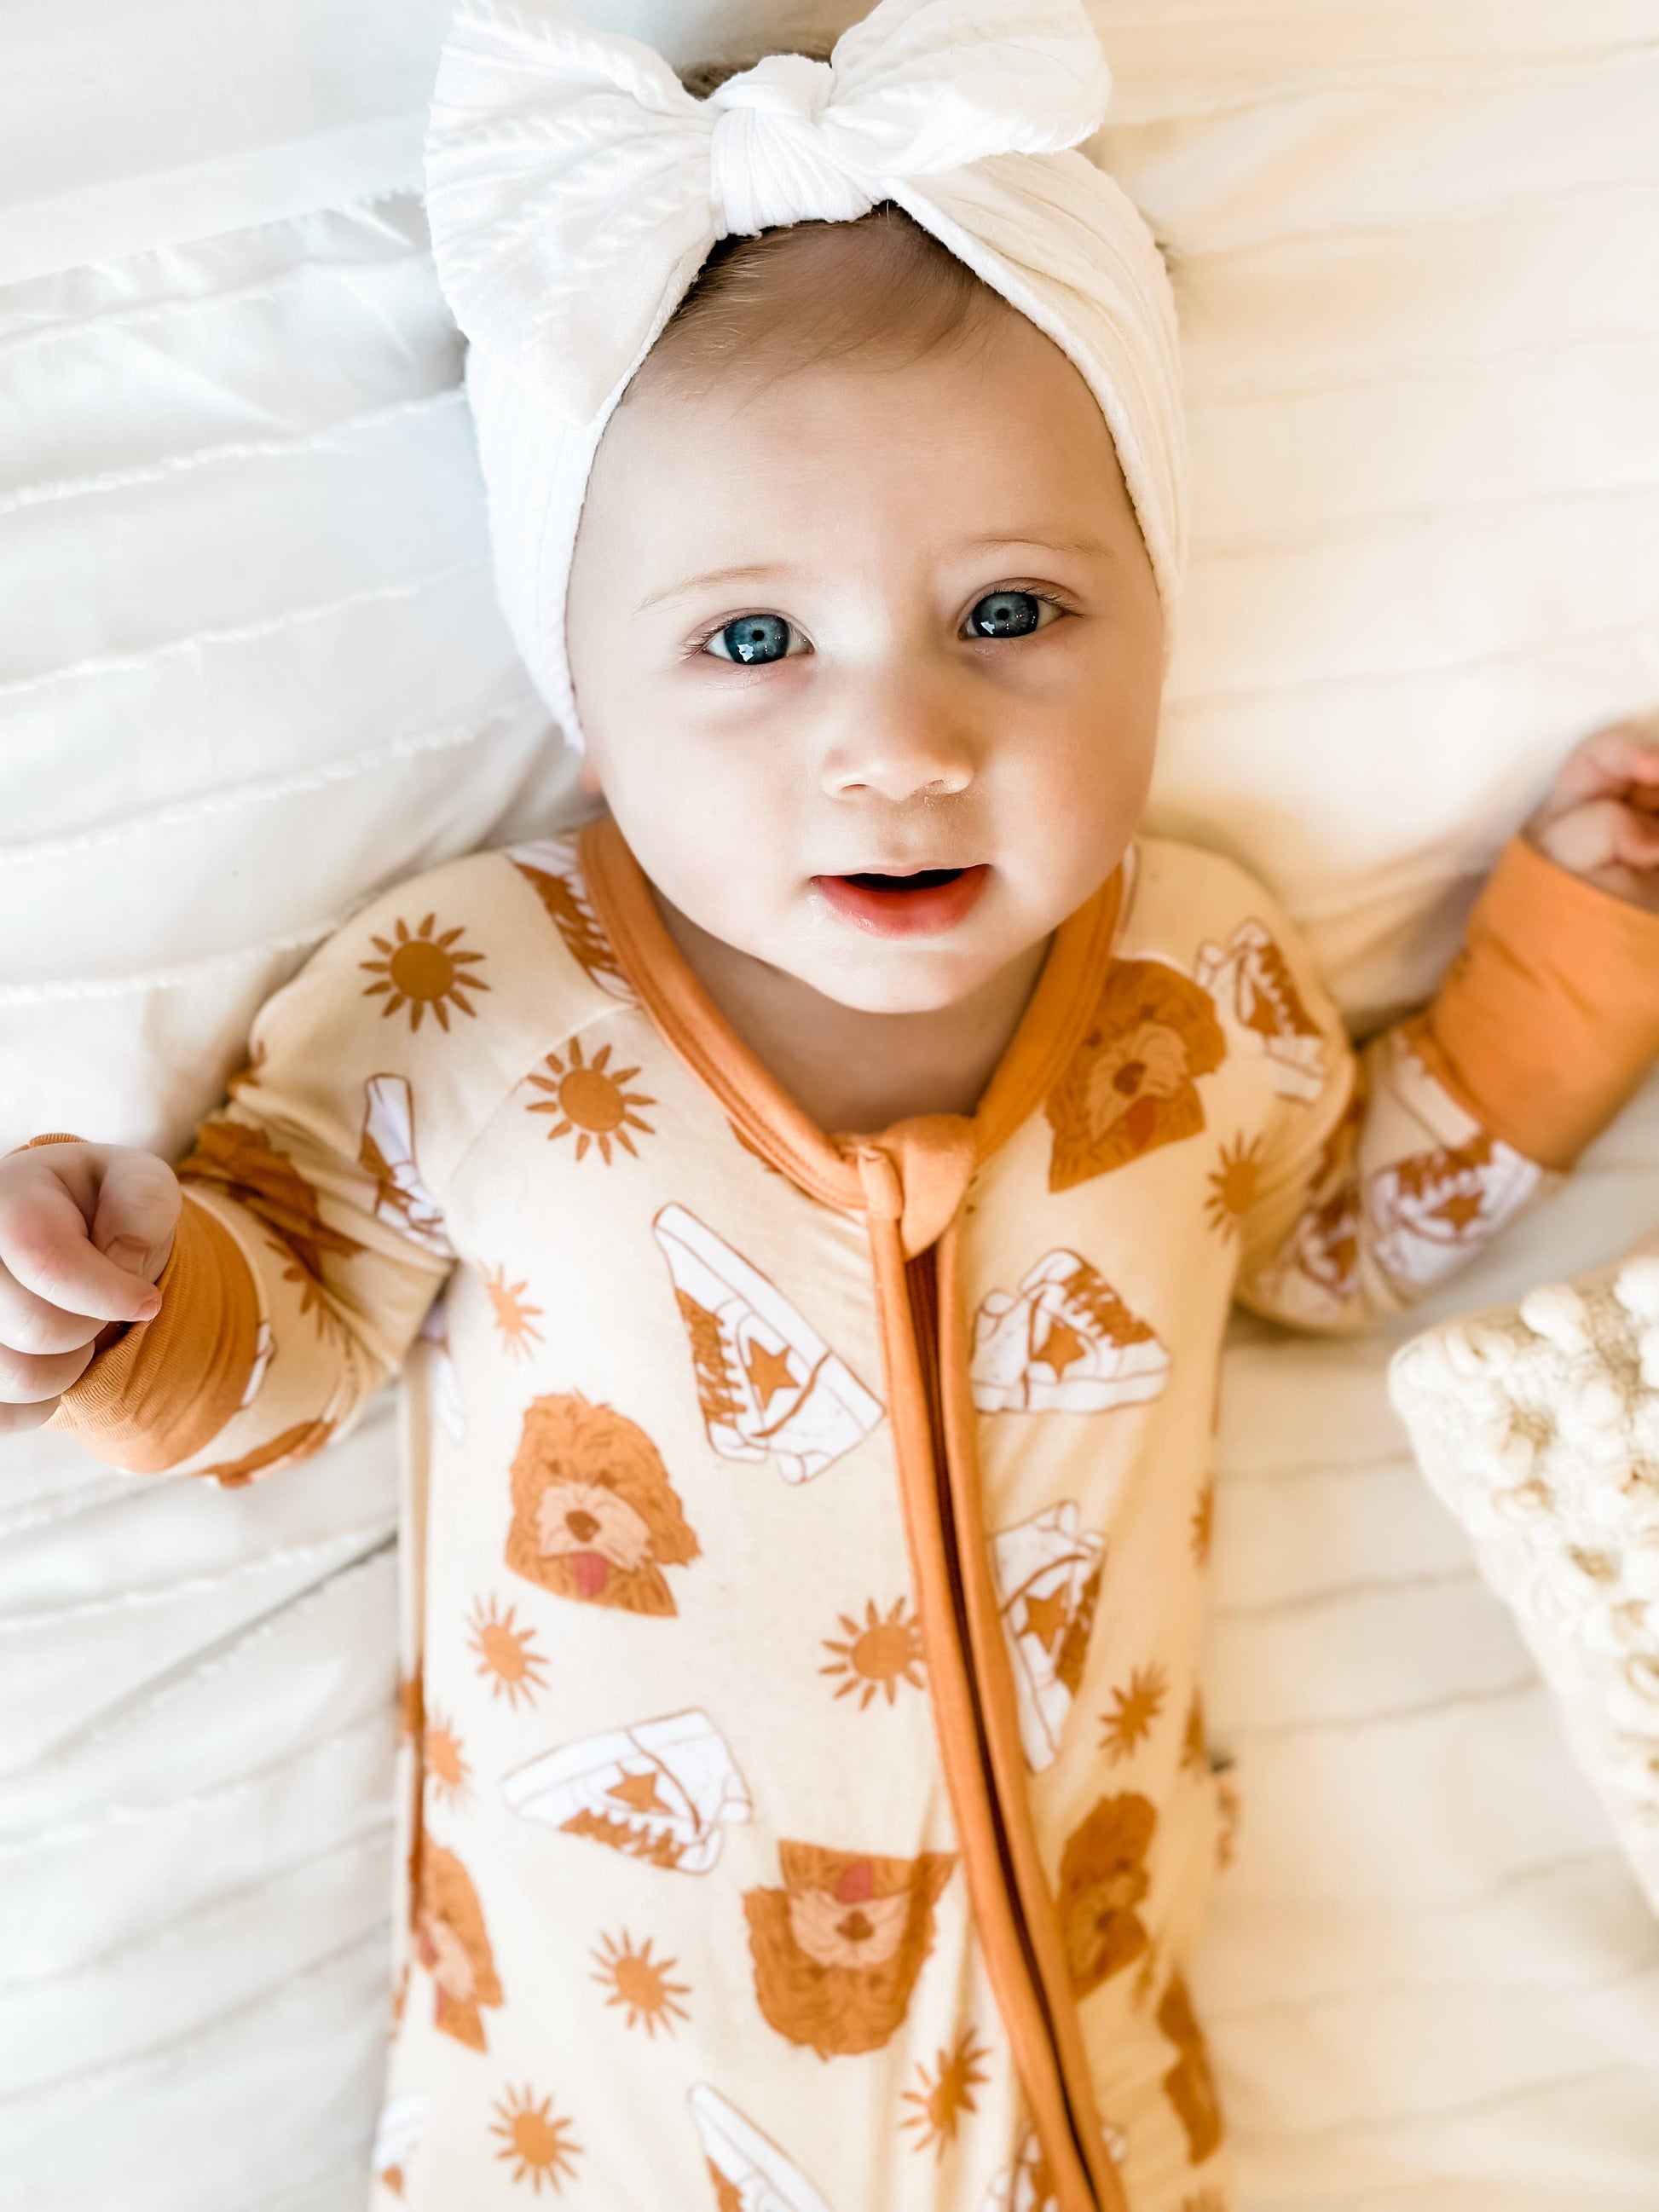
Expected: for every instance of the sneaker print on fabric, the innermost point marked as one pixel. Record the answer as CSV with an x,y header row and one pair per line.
x,y
591,1101
248,1167
1262,1010
1429,1209
426,968
1063,1343
768,1385
450,1943
838,1948
443,1380
1024,2185
1047,1571
876,1657
386,1151
551,869
1190,2085
397,2132
595,1516
661,1790
946,2093
301,1442
1132,1083
1103,1881
538,2144
749,2172
642,1985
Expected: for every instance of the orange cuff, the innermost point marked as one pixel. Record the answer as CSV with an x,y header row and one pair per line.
x,y
1548,1018
164,1390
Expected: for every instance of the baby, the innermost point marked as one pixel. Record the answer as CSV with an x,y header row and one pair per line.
x,y
808,1798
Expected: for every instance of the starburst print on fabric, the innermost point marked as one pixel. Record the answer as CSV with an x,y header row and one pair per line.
x,y
640,1984
1233,1185
423,969
1194,1752
514,1315
448,1774
540,2147
591,1102
506,1653
1204,1521
1134,1708
877,1655
944,2096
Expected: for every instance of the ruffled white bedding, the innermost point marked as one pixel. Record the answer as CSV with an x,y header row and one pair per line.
x,y
250,669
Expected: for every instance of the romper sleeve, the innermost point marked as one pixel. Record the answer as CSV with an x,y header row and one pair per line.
x,y
312,1239
1448,1125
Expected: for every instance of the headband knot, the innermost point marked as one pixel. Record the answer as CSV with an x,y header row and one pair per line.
x,y
770,161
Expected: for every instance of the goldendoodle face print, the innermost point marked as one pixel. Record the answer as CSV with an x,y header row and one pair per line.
x,y
1132,1083
453,1944
595,1516
837,1950
1104,1880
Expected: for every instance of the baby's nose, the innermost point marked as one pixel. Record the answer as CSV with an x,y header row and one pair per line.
x,y
902,750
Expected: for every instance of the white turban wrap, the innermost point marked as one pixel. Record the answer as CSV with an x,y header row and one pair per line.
x,y
574,189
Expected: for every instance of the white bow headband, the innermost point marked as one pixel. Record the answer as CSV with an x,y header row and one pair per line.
x,y
574,189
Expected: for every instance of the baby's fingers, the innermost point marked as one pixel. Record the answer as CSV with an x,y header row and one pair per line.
x,y
27,1379
47,1251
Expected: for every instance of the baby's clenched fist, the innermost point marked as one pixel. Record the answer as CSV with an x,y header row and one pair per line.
x,y
85,1230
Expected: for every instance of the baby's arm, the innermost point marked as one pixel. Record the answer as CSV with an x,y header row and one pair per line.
x,y
296,1253
1450,1123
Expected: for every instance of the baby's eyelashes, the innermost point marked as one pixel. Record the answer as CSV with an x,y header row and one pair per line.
x,y
754,640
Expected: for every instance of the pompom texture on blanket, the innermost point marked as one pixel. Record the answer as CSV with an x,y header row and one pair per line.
x,y
574,189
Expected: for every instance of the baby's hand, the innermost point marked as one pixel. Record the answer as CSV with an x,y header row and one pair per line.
x,y
1601,819
84,1231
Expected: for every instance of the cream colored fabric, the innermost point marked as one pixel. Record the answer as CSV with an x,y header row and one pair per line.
x,y
677,1766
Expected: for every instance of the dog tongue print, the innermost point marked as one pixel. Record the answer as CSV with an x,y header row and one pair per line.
x,y
1260,1006
661,1790
768,1385
453,1944
749,2172
838,1948
552,871
387,1152
1046,1571
594,1513
1063,1343
1131,1084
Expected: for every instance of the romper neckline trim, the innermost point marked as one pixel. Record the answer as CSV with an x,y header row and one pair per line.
x,y
938,1149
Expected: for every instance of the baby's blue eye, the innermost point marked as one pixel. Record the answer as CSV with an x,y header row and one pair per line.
x,y
753,639
1005,614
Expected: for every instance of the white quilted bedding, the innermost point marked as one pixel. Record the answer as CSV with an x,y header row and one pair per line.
x,y
250,670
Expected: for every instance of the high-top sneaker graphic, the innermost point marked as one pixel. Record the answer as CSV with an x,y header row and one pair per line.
x,y
1026,2185
1063,1343
1430,1208
769,1386
661,1790
387,1152
751,2174
1250,981
553,872
1047,1571
397,2132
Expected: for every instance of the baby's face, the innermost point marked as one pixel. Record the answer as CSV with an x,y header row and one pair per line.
x,y
868,660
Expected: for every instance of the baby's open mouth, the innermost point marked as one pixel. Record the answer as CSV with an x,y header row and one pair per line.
x,y
925,902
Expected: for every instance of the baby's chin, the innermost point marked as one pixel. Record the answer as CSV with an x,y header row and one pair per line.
x,y
928,978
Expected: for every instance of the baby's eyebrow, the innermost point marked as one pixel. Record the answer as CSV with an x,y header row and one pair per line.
x,y
749,575
1046,541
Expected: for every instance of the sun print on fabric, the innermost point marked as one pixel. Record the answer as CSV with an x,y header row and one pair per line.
x,y
1102,1881
642,1985
944,2093
1203,1522
750,2173
876,1655
426,969
1132,1083
551,870
1047,1571
1261,1008
595,1516
1232,1185
1134,1707
1065,1342
540,2147
447,1775
837,1951
506,1653
453,1944
768,1385
514,1313
662,1790
386,1151
243,1163
591,1101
